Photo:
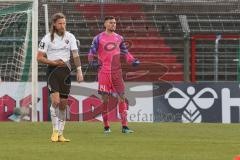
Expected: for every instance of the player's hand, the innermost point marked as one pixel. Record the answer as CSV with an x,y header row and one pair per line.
x,y
79,75
58,63
94,64
135,63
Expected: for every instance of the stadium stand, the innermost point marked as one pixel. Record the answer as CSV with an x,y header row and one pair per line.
x,y
154,34
140,33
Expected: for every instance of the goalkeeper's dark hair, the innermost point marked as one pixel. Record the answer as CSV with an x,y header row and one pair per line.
x,y
108,18
55,17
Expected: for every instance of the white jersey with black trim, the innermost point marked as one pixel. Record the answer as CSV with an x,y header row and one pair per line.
x,y
59,48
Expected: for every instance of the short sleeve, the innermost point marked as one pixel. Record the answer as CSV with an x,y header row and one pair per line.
x,y
43,45
73,43
94,46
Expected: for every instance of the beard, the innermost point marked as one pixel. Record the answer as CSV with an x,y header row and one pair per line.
x,y
60,32
111,30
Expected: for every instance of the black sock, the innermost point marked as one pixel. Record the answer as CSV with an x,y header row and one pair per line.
x,y
106,128
124,127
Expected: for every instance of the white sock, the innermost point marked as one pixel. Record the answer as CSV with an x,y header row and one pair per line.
x,y
61,121
54,116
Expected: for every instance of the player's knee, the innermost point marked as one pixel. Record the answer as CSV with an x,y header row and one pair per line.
x,y
55,99
55,102
63,104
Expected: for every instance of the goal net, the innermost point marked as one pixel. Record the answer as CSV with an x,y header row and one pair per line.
x,y
15,42
18,40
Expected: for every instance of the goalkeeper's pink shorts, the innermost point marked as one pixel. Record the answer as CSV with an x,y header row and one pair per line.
x,y
111,83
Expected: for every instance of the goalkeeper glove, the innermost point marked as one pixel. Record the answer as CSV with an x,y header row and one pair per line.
x,y
135,63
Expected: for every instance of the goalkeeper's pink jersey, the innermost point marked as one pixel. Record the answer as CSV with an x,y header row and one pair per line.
x,y
108,49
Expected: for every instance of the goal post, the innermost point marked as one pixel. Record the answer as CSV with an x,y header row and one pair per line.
x,y
34,59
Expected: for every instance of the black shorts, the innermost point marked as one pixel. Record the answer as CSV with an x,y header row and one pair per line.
x,y
59,80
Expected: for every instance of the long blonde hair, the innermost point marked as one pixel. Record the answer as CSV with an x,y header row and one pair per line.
x,y
55,17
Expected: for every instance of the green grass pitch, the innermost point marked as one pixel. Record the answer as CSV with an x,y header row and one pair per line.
x,y
151,141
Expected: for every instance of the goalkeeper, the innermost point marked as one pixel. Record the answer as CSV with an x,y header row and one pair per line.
x,y
54,50
108,46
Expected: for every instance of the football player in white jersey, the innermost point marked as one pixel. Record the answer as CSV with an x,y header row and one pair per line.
x,y
54,50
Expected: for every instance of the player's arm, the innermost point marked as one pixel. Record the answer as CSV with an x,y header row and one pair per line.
x,y
42,58
76,58
93,49
127,55
77,62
